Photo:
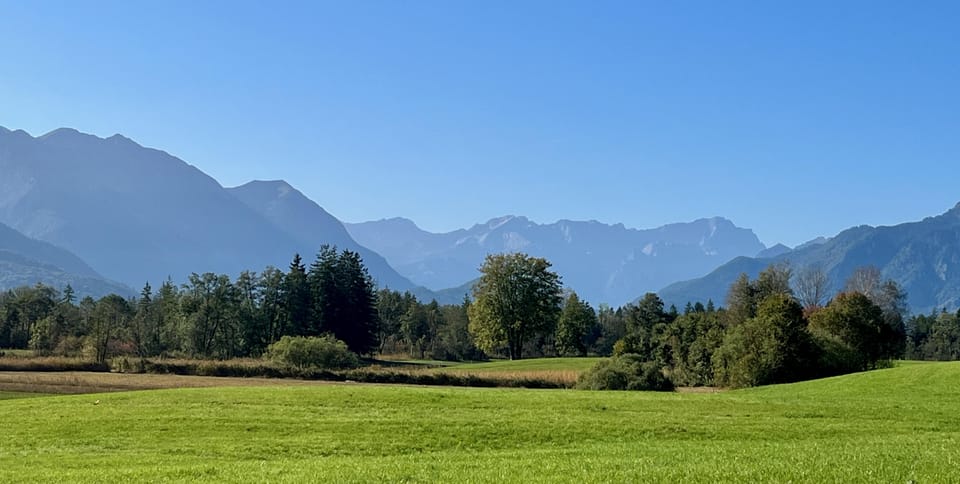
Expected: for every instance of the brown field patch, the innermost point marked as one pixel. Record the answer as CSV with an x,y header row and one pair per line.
x,y
71,382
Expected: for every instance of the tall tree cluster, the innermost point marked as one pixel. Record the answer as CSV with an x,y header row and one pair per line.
x,y
210,316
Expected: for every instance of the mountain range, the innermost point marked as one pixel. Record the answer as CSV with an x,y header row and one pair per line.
x,y
603,263
106,215
139,214
923,257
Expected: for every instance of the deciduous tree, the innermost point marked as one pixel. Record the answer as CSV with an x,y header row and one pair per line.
x,y
516,298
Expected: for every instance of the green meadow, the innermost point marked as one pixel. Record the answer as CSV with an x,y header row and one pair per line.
x,y
893,425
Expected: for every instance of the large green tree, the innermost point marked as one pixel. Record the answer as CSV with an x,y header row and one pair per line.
x,y
516,298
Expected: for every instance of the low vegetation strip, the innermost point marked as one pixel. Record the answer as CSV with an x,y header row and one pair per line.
x,y
533,364
34,383
534,373
892,425
31,363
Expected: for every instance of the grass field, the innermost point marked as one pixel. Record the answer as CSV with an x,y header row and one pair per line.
x,y
894,425
4,395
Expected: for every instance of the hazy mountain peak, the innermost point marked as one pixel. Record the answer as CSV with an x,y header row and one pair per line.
x,y
121,139
276,188
400,222
776,250
498,222
18,133
813,242
63,133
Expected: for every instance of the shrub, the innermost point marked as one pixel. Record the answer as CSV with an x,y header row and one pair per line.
x,y
625,372
324,352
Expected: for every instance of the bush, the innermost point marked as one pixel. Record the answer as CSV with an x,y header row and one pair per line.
x,y
302,353
625,372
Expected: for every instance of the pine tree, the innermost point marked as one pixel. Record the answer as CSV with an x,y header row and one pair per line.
x,y
356,318
326,298
296,300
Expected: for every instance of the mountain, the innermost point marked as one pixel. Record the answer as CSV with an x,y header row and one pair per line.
x,y
16,243
139,214
923,257
774,251
300,217
603,263
26,262
810,243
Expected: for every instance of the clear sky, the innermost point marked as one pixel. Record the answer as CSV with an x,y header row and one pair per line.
x,y
795,119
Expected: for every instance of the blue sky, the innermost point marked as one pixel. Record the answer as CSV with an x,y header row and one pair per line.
x,y
796,119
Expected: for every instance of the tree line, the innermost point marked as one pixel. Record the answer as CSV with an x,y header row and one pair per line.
x,y
779,327
214,316
210,316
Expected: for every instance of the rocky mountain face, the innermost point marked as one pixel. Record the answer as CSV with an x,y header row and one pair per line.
x,y
923,257
603,263
138,214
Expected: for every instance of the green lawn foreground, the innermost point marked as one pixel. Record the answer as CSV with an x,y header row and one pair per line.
x,y
894,425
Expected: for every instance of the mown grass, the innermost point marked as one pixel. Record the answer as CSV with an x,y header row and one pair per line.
x,y
5,395
894,425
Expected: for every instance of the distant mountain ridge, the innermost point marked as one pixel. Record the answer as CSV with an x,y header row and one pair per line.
x,y
26,262
924,257
603,263
139,214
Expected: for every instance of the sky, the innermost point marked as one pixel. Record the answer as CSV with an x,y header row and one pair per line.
x,y
794,119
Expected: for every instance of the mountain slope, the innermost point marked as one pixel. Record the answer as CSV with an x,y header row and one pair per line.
x,y
135,213
17,243
603,263
26,262
924,257
17,271
312,226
